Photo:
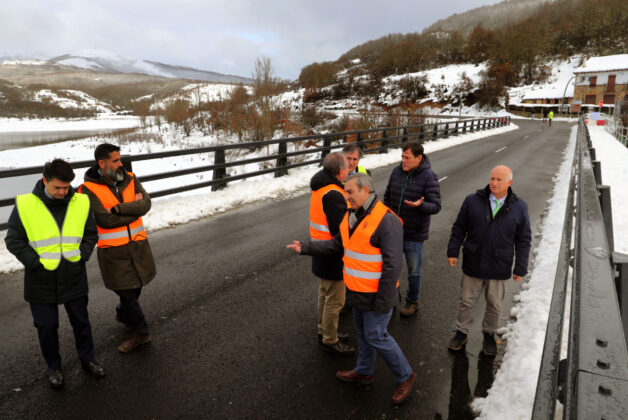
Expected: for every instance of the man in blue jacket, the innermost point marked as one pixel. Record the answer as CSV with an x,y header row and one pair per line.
x,y
413,194
493,227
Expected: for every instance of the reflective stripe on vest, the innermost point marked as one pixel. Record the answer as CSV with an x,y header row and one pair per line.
x,y
42,230
319,228
362,169
117,236
362,261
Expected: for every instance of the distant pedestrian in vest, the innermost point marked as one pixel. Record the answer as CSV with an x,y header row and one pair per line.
x,y
126,261
371,240
413,193
492,228
327,209
53,233
354,154
550,117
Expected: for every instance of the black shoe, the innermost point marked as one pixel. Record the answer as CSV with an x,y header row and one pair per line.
x,y
458,340
341,336
338,348
55,379
489,346
94,369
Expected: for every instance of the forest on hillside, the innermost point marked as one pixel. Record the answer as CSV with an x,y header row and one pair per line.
x,y
516,53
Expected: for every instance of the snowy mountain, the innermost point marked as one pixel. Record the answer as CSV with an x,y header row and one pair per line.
x,y
104,61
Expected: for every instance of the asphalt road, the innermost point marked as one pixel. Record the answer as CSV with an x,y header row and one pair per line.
x,y
233,316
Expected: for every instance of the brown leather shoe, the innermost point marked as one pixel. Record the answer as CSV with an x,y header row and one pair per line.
x,y
134,341
409,309
353,376
403,390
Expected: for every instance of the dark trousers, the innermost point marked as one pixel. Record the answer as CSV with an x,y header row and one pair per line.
x,y
130,311
46,320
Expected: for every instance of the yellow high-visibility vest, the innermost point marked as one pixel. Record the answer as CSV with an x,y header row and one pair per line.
x,y
44,235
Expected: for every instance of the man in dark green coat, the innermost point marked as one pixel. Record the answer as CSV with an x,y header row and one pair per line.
x,y
126,263
54,263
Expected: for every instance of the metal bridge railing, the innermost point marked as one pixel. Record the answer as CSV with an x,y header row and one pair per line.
x,y
372,140
592,382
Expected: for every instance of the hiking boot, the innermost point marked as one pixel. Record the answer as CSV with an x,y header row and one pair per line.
x,y
458,340
409,309
338,348
489,346
134,341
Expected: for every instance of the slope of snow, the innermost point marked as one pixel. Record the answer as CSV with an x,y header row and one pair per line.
x,y
197,93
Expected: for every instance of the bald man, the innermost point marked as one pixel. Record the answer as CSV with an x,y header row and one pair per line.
x,y
493,228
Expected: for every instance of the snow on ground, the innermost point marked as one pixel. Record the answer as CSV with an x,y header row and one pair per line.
x,y
554,87
72,99
102,122
171,210
614,158
197,93
512,393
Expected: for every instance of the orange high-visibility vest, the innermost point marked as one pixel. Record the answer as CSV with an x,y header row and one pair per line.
x,y
362,261
121,235
319,228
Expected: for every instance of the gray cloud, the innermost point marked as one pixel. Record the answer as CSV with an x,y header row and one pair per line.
x,y
217,35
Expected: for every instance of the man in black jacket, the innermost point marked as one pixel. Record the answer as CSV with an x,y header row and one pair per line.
x,y
371,240
414,194
492,227
52,232
327,209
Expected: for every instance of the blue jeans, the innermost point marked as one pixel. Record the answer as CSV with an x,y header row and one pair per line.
x,y
373,337
414,258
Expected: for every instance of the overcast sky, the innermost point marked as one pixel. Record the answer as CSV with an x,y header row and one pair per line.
x,y
217,35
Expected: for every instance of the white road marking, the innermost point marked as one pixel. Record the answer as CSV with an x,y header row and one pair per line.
x,y
442,179
526,136
499,150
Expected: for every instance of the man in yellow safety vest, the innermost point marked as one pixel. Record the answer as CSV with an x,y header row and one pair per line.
x,y
52,232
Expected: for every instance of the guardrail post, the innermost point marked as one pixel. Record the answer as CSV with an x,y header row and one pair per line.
x,y
435,134
327,143
446,134
597,171
457,129
421,129
358,141
464,127
404,137
620,261
592,153
281,160
220,172
607,213
383,143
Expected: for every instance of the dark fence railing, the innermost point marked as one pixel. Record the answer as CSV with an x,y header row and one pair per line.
x,y
592,383
377,140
